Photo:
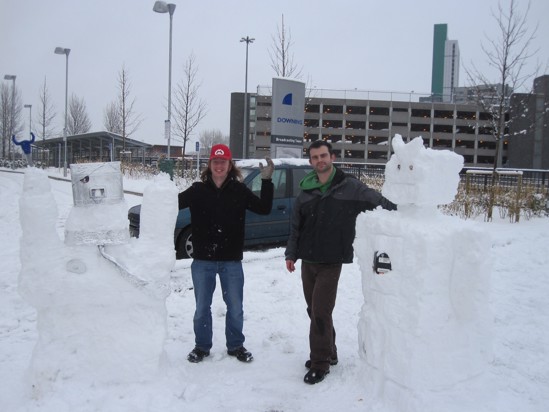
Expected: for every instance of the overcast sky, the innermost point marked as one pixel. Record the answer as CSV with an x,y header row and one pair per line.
x,y
362,44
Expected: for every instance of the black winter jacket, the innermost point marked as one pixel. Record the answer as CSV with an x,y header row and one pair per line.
x,y
323,224
218,215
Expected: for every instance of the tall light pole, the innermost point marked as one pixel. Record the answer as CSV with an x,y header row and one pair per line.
x,y
163,7
12,117
29,106
61,50
245,132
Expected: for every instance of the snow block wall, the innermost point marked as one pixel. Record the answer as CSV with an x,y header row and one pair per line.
x,y
425,326
101,310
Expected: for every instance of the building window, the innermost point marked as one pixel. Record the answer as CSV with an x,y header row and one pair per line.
x,y
425,113
356,109
331,138
465,129
312,108
379,111
332,124
378,126
484,116
355,139
331,108
354,154
417,127
311,122
444,114
377,140
350,124
466,115
310,137
442,128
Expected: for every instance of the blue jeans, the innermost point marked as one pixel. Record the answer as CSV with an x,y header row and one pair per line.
x,y
231,277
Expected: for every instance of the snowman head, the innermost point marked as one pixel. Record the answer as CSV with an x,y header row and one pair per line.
x,y
418,176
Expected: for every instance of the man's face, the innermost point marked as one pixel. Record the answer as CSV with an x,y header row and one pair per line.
x,y
220,168
320,159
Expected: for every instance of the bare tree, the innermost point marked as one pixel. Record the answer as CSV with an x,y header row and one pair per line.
x,y
189,109
128,119
78,121
112,119
5,116
46,113
282,59
209,137
508,53
10,116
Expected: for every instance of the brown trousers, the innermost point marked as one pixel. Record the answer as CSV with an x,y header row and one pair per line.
x,y
320,289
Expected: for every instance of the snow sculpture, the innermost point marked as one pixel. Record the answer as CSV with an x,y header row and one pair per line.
x,y
425,326
100,296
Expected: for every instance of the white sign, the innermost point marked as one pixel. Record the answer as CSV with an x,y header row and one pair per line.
x,y
288,107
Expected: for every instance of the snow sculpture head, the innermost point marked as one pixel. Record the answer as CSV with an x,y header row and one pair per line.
x,y
418,176
99,215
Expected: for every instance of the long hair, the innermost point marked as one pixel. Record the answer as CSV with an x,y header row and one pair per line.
x,y
234,172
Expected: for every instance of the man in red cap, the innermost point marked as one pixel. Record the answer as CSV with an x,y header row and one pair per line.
x,y
218,205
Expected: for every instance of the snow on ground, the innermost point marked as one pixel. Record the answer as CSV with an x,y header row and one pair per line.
x,y
276,327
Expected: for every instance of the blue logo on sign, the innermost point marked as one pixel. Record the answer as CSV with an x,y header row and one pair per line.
x,y
287,99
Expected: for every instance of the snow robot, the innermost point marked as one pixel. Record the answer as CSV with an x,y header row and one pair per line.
x,y
100,296
425,326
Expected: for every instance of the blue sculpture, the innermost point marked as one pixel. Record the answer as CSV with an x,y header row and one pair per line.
x,y
26,147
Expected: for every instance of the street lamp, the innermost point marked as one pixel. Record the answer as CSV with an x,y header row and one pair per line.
x,y
12,117
61,50
246,133
163,7
29,106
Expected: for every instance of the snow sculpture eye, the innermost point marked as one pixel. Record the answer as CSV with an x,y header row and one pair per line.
x,y
398,167
411,167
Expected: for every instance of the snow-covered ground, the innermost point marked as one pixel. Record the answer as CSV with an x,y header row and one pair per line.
x,y
276,328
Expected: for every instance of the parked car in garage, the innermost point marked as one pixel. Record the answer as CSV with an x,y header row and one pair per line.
x,y
260,230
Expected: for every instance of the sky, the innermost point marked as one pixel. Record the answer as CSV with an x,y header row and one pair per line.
x,y
354,44
276,324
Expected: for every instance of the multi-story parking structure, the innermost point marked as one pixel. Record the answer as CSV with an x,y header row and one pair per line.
x,y
361,127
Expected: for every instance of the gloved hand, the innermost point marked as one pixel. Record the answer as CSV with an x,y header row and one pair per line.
x,y
267,171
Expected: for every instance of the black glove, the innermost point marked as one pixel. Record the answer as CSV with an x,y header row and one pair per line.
x,y
267,171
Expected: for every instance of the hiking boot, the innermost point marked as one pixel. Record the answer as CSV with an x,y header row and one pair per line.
x,y
333,362
197,355
241,354
315,376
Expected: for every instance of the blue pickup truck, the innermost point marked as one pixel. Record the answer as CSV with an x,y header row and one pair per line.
x,y
260,230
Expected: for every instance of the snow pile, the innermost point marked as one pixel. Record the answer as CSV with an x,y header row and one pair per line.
x,y
101,311
425,330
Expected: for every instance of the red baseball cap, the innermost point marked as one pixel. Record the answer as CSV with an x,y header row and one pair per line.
x,y
220,151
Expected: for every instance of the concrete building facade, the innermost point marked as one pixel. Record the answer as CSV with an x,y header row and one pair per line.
x,y
361,130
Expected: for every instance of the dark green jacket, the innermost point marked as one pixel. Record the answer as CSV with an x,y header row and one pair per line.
x,y
323,224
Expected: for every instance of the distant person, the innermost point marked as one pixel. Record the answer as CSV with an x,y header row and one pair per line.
x,y
218,205
321,235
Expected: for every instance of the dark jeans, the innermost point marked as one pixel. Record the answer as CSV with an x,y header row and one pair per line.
x,y
320,289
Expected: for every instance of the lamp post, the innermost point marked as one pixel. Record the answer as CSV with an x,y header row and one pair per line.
x,y
12,151
61,50
29,106
245,133
163,7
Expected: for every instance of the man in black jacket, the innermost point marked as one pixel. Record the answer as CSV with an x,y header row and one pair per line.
x,y
322,235
218,205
